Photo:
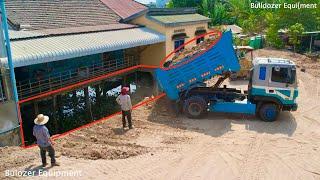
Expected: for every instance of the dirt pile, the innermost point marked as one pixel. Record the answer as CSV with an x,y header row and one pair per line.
x,y
101,142
11,157
154,129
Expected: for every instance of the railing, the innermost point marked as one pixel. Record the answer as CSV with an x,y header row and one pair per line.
x,y
32,87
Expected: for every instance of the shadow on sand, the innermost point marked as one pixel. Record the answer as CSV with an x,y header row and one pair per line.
x,y
36,170
119,131
217,124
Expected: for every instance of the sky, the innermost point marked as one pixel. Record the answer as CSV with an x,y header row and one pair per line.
x,y
145,1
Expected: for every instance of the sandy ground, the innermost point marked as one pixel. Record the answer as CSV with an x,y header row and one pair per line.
x,y
161,146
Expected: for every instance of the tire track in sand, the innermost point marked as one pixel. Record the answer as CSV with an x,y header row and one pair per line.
x,y
252,161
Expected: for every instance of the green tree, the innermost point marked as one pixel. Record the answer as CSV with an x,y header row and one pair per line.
x,y
183,3
217,11
295,32
272,34
256,20
272,37
309,18
170,4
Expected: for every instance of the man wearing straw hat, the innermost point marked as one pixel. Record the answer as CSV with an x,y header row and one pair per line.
x,y
125,102
44,142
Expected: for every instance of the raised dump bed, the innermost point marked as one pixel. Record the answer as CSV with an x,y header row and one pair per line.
x,y
217,59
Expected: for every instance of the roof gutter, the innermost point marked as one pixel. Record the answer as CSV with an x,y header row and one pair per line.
x,y
178,23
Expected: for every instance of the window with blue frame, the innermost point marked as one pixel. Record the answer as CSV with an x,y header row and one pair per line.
x,y
262,73
178,43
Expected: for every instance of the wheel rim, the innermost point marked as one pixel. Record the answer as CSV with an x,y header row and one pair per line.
x,y
194,109
270,113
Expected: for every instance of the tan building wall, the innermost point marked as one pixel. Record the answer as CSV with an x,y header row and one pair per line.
x,y
188,29
153,54
168,31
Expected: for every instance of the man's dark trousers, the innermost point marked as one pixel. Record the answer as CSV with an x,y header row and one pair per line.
x,y
43,152
128,115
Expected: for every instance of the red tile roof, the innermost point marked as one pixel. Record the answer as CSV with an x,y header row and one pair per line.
x,y
125,8
53,14
19,35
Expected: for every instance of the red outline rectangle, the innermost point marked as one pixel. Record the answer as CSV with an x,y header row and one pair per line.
x,y
100,120
78,85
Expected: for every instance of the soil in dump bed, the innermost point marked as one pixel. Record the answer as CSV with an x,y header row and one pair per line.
x,y
187,53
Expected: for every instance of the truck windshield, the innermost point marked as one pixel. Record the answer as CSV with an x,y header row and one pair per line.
x,y
283,75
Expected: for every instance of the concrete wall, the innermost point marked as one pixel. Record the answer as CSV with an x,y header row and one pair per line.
x,y
153,54
11,138
9,121
8,116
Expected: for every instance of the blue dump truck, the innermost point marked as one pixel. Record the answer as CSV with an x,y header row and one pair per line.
x,y
272,84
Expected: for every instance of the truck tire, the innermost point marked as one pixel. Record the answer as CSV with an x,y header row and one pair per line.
x,y
269,112
195,107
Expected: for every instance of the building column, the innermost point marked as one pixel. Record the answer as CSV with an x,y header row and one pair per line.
x,y
36,107
2,45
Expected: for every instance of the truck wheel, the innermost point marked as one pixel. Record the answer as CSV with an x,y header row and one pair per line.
x,y
195,107
268,112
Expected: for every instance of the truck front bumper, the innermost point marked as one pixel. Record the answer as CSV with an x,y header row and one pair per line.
x,y
291,107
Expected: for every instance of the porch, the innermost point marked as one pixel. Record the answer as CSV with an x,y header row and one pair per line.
x,y
53,62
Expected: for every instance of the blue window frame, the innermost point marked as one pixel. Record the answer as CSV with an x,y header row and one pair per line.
x,y
178,43
262,73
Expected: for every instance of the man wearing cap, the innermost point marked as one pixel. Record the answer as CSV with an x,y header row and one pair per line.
x,y
125,102
44,142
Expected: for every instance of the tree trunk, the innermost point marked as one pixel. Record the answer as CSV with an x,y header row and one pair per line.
x,y
60,114
98,93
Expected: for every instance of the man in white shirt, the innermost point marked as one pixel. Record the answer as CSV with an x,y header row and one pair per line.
x,y
124,101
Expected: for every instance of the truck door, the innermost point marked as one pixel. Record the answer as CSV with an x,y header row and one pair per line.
x,y
282,82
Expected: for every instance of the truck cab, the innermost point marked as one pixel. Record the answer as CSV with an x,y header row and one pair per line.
x,y
273,86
